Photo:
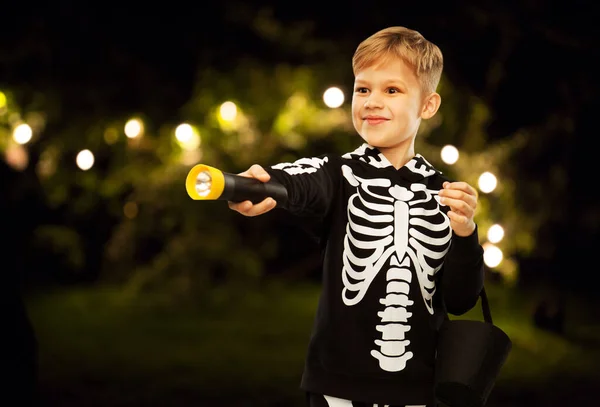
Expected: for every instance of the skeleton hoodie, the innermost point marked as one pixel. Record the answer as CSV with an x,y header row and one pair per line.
x,y
392,270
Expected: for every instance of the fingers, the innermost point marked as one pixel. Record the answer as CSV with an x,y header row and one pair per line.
x,y
458,218
459,206
460,196
246,208
459,186
256,171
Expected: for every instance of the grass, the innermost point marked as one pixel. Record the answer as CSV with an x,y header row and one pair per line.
x,y
125,351
103,347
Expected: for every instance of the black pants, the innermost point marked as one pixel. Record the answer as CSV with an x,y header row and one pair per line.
x,y
318,400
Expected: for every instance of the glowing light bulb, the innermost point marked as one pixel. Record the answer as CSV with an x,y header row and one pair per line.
x,y
492,255
183,132
134,128
85,160
228,111
449,154
495,233
22,133
333,97
487,182
203,183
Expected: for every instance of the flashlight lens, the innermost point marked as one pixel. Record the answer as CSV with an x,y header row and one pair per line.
x,y
203,183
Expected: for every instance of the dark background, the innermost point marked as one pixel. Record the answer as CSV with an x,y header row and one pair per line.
x,y
533,63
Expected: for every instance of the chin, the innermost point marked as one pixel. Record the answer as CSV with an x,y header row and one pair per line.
x,y
375,142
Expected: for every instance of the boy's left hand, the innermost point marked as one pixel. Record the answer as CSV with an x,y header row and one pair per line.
x,y
462,200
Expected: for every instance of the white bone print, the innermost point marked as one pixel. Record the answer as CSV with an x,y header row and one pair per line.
x,y
337,402
302,166
382,227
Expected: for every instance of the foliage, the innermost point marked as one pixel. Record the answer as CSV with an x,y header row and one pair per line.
x,y
128,218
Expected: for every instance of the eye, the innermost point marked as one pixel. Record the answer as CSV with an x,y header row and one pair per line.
x,y
361,90
393,90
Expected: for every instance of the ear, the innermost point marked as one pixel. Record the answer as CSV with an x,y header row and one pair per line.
x,y
431,105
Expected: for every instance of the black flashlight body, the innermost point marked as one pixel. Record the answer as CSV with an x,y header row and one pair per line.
x,y
238,189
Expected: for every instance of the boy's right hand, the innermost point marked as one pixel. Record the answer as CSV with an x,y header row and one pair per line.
x,y
247,208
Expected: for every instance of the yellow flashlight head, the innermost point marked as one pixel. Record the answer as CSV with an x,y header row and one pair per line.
x,y
204,183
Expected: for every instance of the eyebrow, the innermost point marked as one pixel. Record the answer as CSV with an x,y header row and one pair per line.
x,y
386,82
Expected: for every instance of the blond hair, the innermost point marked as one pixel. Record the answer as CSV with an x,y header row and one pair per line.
x,y
422,55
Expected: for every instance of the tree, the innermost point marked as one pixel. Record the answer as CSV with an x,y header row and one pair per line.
x,y
133,196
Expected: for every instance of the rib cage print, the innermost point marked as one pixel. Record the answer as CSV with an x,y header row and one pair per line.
x,y
404,229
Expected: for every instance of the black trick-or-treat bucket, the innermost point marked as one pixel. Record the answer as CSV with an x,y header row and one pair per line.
x,y
470,355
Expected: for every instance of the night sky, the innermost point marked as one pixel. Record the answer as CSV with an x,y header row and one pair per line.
x,y
151,53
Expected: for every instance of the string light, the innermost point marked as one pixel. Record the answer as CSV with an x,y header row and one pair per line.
x,y
228,111
449,154
183,132
487,182
85,160
22,133
495,233
134,128
189,139
492,255
333,97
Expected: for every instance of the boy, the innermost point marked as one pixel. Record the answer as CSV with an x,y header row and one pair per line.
x,y
400,247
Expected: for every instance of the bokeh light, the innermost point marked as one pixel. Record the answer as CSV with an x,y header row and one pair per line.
x,y
192,142
130,210
495,233
333,97
228,111
17,157
487,182
449,154
85,160
2,100
111,135
492,255
22,133
183,132
134,128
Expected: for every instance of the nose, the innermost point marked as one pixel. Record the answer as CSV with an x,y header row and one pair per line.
x,y
373,103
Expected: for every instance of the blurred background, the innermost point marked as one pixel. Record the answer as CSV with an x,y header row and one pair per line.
x,y
119,290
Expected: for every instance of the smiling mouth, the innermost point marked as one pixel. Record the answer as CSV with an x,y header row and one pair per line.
x,y
375,120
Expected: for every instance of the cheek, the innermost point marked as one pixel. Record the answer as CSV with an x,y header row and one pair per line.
x,y
355,110
356,123
356,117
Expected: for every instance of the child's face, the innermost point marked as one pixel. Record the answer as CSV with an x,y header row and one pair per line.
x,y
387,104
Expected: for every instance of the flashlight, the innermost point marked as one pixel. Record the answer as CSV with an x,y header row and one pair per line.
x,y
205,183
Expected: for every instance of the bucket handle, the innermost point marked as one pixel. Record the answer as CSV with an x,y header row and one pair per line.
x,y
485,306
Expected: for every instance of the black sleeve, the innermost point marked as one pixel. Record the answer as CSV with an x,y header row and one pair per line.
x,y
462,277
311,184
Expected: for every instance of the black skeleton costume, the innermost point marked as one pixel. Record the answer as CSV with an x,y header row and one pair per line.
x,y
392,269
